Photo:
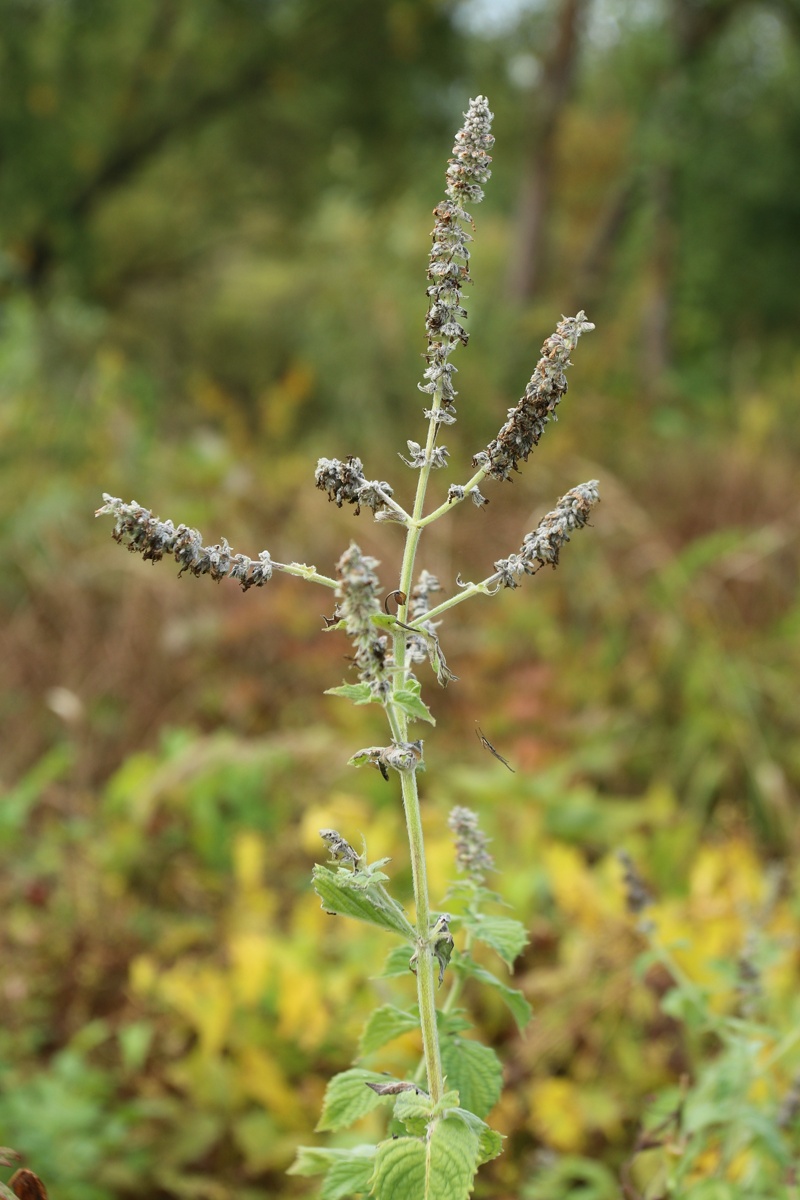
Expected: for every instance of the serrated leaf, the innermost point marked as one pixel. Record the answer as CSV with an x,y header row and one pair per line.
x,y
385,1024
452,1022
347,1177
316,1160
397,963
474,1071
339,894
490,1142
346,1171
520,1009
414,1110
410,701
357,693
507,937
347,1098
442,1167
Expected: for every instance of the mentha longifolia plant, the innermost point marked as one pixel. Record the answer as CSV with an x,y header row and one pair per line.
x,y
439,1136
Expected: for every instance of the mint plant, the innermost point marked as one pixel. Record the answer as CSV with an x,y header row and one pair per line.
x,y
438,1132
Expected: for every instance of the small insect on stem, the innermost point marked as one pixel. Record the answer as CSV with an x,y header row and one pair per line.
x,y
484,741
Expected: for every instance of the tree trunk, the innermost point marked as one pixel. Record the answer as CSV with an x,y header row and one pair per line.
x,y
549,101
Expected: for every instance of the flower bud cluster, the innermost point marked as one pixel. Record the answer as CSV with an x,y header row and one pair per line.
x,y
145,534
439,456
419,603
448,266
357,596
456,492
344,481
525,425
544,544
472,857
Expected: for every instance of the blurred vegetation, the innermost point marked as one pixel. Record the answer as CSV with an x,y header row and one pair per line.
x,y
214,222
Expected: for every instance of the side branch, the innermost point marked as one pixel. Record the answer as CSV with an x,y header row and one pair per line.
x,y
145,534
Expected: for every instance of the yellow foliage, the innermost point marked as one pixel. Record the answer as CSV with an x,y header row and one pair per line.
x,y
575,887
252,959
262,1078
249,856
557,1115
726,876
302,1012
203,997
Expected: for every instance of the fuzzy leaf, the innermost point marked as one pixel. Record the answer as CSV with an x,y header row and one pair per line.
x,y
490,1142
520,1009
347,1098
385,1024
397,963
507,937
340,895
409,700
358,693
414,1111
441,1167
346,1171
474,1071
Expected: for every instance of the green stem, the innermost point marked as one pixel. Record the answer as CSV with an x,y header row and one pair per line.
x,y
304,572
484,588
451,504
426,994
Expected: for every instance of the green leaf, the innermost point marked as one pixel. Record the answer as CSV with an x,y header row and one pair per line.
x,y
345,1178
347,1098
340,895
385,1024
442,1167
573,1175
383,620
474,1071
346,1171
514,999
358,693
409,700
397,963
414,1110
505,935
490,1142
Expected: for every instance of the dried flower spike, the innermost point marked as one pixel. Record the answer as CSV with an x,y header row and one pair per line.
x,y
543,545
448,265
145,534
472,856
526,422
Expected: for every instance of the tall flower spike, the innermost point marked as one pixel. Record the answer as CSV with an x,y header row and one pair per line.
x,y
448,266
526,422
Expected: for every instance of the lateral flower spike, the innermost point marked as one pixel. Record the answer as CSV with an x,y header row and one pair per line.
x,y
543,545
525,425
448,265
357,593
472,855
345,482
136,528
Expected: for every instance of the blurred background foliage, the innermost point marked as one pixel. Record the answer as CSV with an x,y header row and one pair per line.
x,y
214,220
